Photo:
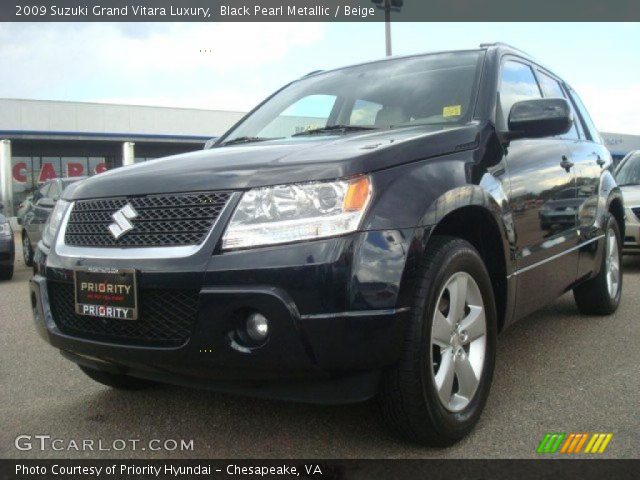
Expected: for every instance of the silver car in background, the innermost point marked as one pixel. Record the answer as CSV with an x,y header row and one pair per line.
x,y
628,177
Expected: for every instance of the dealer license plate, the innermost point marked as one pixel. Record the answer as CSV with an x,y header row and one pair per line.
x,y
106,293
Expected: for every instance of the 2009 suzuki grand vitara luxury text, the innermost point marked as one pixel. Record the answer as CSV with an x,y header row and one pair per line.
x,y
363,232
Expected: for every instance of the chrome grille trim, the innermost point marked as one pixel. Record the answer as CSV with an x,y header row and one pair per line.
x,y
134,253
157,220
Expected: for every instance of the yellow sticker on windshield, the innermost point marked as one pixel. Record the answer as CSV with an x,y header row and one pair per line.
x,y
452,111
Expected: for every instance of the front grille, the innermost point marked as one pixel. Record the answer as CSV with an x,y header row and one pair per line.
x,y
163,220
636,212
166,318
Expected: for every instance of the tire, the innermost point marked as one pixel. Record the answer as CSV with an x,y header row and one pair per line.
x,y
27,251
117,380
6,273
594,297
409,402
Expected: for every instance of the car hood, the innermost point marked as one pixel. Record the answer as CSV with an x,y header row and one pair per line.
x,y
631,195
274,162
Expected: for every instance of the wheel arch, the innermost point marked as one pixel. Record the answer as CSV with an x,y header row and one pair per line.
x,y
478,226
615,206
613,201
475,215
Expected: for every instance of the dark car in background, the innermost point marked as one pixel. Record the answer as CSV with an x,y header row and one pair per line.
x,y
36,213
7,248
561,209
365,231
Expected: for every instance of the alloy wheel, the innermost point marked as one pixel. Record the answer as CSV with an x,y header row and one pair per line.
x,y
612,264
458,341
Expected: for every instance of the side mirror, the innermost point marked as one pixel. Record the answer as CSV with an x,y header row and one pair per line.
x,y
542,117
46,202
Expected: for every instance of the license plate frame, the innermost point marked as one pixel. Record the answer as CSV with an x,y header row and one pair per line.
x,y
106,293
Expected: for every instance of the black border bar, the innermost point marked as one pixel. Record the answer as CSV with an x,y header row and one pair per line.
x,y
318,11
586,469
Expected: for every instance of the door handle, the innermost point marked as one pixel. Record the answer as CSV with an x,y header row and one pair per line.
x,y
566,163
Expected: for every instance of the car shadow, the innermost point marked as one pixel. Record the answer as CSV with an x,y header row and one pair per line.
x,y
631,263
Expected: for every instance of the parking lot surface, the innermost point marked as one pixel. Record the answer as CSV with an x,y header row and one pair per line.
x,y
556,371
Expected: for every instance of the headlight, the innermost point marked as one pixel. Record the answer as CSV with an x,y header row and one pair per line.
x,y
54,221
290,213
5,230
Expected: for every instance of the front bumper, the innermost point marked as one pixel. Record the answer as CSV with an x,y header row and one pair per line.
x,y
632,233
331,327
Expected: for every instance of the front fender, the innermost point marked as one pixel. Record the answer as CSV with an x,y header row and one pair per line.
x,y
415,198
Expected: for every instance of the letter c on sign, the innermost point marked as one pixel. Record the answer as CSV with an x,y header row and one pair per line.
x,y
20,172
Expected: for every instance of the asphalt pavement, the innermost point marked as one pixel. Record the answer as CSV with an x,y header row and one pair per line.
x,y
556,371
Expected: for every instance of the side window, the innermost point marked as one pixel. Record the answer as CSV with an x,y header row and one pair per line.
x,y
552,89
517,83
592,131
307,113
364,113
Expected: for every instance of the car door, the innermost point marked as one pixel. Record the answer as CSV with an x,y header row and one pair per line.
x,y
540,171
592,158
569,205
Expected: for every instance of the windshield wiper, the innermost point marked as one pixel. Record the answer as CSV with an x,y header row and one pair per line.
x,y
238,140
334,128
630,184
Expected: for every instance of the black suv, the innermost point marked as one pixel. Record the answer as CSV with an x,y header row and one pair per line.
x,y
366,231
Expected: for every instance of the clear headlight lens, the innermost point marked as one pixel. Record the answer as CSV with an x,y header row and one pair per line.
x,y
5,230
290,213
54,221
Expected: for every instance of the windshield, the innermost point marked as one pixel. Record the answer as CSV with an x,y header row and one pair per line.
x,y
629,172
436,89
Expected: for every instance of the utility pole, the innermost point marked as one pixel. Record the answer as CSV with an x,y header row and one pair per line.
x,y
388,6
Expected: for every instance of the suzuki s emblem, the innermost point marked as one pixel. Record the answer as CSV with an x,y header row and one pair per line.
x,y
121,219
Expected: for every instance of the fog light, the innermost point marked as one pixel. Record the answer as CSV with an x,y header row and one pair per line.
x,y
257,327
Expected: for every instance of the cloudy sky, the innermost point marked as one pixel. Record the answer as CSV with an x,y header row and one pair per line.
x,y
232,66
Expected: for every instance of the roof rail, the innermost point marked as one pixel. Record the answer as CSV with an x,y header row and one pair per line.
x,y
312,73
503,44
